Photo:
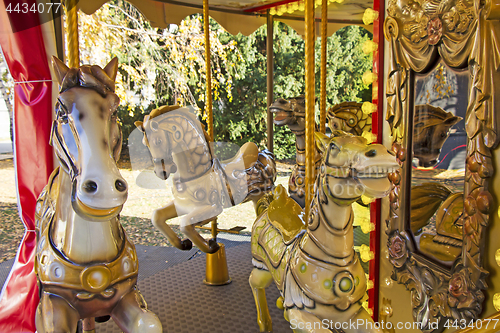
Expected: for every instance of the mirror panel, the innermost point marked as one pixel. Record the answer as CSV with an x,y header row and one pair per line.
x,y
426,39
438,162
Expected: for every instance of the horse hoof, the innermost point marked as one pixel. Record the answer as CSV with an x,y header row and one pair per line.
x,y
146,322
213,246
186,245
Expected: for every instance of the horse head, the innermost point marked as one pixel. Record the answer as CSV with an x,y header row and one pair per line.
x,y
431,128
159,137
290,112
351,167
87,138
349,117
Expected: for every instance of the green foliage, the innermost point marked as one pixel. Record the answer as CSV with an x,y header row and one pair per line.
x,y
244,118
167,66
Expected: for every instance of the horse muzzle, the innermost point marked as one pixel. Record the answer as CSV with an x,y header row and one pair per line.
x,y
97,214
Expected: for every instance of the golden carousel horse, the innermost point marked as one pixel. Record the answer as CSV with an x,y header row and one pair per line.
x,y
313,264
85,264
346,116
349,117
203,185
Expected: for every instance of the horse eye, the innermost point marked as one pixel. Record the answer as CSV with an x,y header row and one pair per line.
x,y
371,153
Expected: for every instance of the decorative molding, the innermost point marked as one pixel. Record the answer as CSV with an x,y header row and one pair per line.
x,y
462,34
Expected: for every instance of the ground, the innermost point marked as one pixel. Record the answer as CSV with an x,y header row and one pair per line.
x,y
135,215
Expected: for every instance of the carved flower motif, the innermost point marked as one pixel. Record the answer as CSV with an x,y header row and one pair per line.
x,y
458,285
434,30
461,294
459,18
397,250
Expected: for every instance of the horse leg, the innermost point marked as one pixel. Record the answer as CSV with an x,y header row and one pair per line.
x,y
55,315
304,322
131,318
205,213
163,214
259,280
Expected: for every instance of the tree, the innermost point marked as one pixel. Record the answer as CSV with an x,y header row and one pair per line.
x,y
156,66
167,66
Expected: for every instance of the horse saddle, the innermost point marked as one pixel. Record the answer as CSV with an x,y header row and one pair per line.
x,y
286,215
246,157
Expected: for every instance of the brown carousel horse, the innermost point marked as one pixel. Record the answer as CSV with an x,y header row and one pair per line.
x,y
431,128
85,264
291,112
203,185
313,262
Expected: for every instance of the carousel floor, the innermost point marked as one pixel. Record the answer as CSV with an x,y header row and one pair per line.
x,y
171,281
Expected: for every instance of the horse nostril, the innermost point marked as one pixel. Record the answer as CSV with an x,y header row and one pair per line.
x,y
164,174
90,186
173,168
120,185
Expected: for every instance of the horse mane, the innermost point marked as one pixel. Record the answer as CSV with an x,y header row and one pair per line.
x,y
88,76
167,108
162,110
354,117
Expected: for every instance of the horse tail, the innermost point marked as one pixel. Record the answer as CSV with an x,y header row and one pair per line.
x,y
264,202
425,201
262,174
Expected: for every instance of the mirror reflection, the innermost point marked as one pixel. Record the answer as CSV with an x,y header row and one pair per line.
x,y
438,166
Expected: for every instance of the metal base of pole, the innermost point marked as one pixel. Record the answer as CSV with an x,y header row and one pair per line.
x,y
216,273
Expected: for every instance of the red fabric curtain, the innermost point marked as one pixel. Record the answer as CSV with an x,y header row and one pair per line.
x,y
23,47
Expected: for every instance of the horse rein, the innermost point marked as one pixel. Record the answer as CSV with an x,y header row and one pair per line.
x,y
60,145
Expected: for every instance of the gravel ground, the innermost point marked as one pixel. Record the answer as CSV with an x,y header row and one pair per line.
x,y
135,215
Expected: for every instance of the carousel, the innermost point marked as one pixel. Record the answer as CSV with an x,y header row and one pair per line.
x,y
419,158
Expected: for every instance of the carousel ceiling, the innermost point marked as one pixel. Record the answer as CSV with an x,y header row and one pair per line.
x,y
244,16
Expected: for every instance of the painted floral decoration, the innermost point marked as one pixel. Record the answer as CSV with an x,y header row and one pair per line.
x,y
460,289
434,30
397,250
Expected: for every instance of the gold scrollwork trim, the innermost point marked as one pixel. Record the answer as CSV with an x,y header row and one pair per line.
x,y
462,33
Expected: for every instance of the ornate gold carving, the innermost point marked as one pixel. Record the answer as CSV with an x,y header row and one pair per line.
x,y
461,34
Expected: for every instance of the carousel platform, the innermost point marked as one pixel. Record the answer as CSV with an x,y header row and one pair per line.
x,y
171,281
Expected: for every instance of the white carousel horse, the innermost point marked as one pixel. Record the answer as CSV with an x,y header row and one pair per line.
x,y
313,264
85,264
202,185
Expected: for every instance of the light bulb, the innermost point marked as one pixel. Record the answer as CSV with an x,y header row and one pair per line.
x,y
369,16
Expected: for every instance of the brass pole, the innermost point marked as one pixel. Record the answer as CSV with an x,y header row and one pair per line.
x,y
270,80
72,21
322,102
208,104
310,124
213,228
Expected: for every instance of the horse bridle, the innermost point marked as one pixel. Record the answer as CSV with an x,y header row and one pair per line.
x,y
60,146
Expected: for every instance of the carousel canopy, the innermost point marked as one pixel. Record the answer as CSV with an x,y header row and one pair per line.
x,y
245,16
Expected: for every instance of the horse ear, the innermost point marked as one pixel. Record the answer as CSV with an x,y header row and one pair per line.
x,y
112,68
322,141
139,125
452,120
60,69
